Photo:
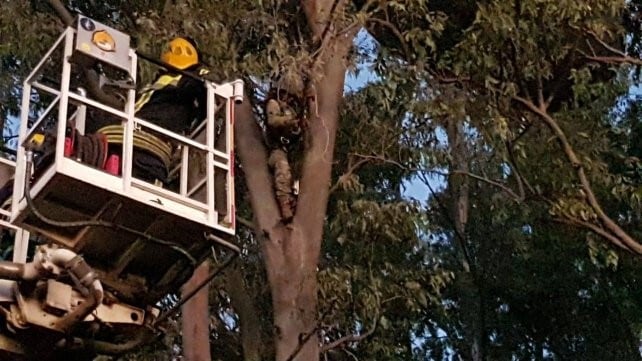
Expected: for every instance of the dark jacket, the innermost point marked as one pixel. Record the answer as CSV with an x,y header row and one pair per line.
x,y
174,106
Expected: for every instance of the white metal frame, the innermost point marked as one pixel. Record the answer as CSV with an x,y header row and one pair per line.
x,y
21,238
178,204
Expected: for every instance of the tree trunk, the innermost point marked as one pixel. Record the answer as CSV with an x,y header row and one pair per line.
x,y
458,184
242,299
196,318
291,252
294,297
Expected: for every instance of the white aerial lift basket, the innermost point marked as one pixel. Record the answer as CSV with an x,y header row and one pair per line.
x,y
141,238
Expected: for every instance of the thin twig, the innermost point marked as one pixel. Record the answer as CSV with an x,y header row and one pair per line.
x,y
395,31
351,169
305,337
497,184
483,179
364,159
349,338
606,45
620,58
521,182
381,159
302,341
245,222
615,59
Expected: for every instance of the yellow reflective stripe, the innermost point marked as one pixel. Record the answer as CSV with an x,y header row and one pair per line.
x,y
160,83
166,80
143,100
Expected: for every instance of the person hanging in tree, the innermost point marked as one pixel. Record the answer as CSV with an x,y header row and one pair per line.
x,y
285,122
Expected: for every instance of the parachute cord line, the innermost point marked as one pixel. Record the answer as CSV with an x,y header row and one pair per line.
x,y
93,223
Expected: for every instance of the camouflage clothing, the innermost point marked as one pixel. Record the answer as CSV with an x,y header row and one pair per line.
x,y
283,182
284,130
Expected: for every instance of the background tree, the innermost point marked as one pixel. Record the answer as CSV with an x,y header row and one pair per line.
x,y
514,113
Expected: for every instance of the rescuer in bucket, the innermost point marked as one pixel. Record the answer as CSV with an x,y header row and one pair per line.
x,y
172,101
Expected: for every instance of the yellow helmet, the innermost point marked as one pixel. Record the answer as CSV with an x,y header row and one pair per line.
x,y
180,53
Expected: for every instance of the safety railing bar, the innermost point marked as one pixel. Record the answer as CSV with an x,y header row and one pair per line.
x,y
127,164
210,133
63,108
204,179
45,58
8,162
218,164
198,129
7,224
231,200
82,99
221,165
45,88
174,136
19,174
218,153
128,129
225,90
196,205
184,170
173,171
121,114
44,114
198,185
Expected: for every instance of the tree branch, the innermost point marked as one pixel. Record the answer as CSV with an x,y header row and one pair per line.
x,y
497,184
352,167
620,56
616,59
319,16
605,44
349,338
62,11
395,31
380,158
585,184
245,222
253,157
597,230
364,159
540,93
321,134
